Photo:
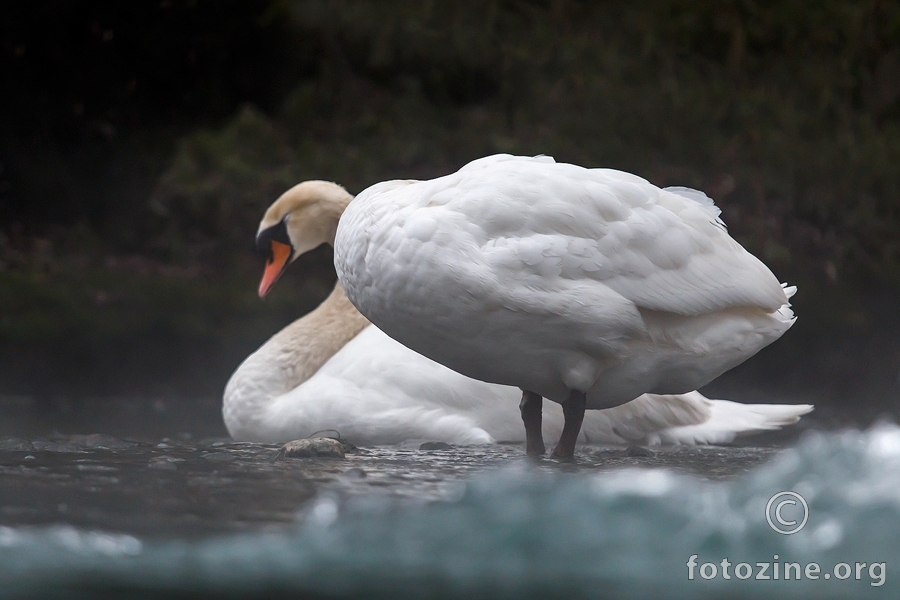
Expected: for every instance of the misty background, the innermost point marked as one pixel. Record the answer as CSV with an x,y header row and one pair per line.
x,y
141,142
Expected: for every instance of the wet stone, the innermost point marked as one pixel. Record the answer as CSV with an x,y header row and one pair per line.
x,y
317,447
639,452
435,446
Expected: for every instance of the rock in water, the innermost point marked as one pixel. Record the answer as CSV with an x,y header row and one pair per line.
x,y
639,451
316,447
435,446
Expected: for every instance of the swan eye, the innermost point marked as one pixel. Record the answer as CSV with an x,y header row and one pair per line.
x,y
275,233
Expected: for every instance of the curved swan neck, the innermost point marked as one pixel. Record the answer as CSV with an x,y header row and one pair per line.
x,y
310,341
290,357
331,215
301,348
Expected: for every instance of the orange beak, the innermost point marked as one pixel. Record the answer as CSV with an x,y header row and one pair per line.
x,y
275,266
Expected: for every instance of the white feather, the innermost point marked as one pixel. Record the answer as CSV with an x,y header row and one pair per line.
x,y
552,277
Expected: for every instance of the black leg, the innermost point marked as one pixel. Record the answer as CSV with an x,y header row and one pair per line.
x,y
530,407
573,410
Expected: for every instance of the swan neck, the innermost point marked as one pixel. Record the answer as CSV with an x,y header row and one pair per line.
x,y
333,215
306,344
326,213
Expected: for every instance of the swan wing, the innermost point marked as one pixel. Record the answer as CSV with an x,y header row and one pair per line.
x,y
532,224
541,224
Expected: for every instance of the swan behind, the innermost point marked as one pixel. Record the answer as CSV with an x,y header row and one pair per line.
x,y
282,365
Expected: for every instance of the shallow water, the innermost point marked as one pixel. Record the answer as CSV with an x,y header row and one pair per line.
x,y
87,516
182,489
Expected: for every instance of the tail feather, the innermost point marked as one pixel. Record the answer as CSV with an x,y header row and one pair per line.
x,y
729,420
689,419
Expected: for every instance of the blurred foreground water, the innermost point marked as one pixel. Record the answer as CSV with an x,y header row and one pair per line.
x,y
91,516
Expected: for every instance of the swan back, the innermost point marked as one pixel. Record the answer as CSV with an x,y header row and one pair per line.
x,y
553,277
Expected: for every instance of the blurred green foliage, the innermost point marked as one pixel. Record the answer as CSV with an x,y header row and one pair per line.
x,y
212,195
787,113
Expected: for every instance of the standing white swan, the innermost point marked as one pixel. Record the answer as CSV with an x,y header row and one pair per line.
x,y
331,369
589,287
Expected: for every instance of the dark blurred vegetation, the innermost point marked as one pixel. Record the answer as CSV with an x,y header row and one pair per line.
x,y
142,141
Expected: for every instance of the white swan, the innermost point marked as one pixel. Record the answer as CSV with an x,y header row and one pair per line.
x,y
331,369
585,286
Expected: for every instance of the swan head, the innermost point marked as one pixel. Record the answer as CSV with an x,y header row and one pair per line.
x,y
303,218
